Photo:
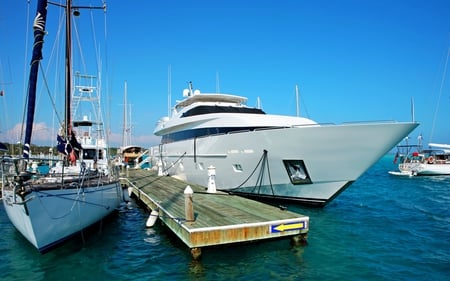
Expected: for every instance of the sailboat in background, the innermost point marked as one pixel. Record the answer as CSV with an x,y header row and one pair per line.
x,y
127,153
415,160
80,188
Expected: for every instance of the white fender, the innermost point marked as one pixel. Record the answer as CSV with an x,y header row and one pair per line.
x,y
152,218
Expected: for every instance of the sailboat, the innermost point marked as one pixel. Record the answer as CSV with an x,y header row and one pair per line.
x,y
128,153
414,159
80,189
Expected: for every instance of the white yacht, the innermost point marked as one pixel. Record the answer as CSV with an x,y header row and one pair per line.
x,y
268,157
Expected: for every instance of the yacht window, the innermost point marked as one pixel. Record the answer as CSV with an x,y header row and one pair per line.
x,y
204,132
207,109
297,172
237,168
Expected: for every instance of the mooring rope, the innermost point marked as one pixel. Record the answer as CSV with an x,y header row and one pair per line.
x,y
173,164
263,161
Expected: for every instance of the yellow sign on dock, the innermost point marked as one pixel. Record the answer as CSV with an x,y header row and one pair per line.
x,y
288,226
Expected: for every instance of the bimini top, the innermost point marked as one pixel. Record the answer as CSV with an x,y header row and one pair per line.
x,y
211,98
85,122
130,149
440,146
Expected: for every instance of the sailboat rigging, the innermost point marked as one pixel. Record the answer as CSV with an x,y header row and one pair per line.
x,y
414,159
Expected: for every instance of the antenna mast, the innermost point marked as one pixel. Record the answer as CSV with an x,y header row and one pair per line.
x,y
296,101
169,90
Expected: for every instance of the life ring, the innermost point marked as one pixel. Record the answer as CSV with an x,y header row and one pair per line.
x,y
430,160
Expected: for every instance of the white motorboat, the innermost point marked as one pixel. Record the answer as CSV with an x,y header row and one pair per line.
x,y
80,189
270,157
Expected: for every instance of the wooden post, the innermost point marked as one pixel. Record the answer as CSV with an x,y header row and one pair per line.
x,y
196,253
188,204
300,240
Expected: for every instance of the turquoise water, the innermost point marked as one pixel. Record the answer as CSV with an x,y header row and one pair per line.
x,y
381,227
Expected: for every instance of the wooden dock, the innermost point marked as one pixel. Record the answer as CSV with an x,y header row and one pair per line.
x,y
217,218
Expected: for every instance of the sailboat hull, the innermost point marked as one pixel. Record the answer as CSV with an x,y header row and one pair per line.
x,y
425,169
260,163
48,217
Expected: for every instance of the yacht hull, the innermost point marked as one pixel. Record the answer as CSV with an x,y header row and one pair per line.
x,y
257,163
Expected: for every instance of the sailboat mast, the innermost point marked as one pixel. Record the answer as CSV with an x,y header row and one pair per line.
x,y
125,118
68,121
39,32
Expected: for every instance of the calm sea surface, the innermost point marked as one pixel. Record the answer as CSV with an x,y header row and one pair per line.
x,y
381,227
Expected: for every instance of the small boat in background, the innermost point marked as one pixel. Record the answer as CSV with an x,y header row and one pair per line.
x,y
127,153
414,160
143,161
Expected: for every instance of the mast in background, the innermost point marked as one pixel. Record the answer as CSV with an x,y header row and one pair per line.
x,y
296,101
126,136
169,90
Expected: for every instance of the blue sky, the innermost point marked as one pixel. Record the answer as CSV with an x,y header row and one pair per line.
x,y
352,60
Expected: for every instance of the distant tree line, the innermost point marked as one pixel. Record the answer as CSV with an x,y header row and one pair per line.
x,y
16,149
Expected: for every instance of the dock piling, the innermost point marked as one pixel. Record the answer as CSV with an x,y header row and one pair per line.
x,y
196,253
